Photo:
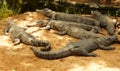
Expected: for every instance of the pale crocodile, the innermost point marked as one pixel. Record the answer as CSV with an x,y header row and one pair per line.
x,y
18,35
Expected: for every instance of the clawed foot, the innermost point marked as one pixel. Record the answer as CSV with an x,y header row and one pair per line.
x,y
45,28
6,33
16,41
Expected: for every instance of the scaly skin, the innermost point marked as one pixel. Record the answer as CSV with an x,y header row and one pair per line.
x,y
82,47
83,26
64,52
18,35
68,29
105,22
69,17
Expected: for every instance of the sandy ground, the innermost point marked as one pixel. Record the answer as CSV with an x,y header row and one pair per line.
x,y
21,58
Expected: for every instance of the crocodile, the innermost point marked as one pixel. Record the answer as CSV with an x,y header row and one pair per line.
x,y
80,48
105,22
66,29
83,26
69,17
18,35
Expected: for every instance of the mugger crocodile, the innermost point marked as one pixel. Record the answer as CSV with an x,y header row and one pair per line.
x,y
18,35
82,47
66,29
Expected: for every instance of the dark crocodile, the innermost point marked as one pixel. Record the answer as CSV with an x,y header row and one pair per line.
x,y
68,29
105,22
69,17
82,47
18,35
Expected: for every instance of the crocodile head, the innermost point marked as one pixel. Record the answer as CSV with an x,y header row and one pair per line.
x,y
42,23
107,40
47,12
10,22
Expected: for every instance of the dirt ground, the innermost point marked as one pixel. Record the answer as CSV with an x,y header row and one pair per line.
x,y
21,58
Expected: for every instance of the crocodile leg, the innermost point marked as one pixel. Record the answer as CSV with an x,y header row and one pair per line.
x,y
106,48
46,28
16,41
78,51
32,25
53,16
46,46
6,33
96,30
60,32
84,52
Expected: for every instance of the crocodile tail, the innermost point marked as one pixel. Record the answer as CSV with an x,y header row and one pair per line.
x,y
51,54
46,46
63,52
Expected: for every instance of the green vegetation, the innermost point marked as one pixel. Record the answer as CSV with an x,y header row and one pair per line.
x,y
9,8
13,7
